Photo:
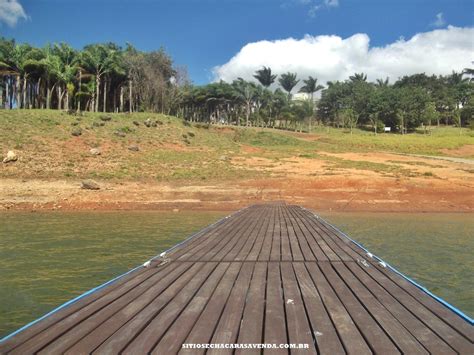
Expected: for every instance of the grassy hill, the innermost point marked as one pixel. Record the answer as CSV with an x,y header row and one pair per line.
x,y
172,149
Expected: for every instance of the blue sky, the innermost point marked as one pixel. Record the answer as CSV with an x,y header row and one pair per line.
x,y
203,34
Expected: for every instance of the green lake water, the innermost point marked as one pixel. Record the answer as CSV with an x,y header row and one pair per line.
x,y
49,258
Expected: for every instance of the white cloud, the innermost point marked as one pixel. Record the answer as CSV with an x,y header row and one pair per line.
x,y
334,58
331,3
11,12
440,21
313,6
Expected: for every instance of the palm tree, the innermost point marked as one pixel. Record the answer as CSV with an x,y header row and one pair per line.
x,y
357,77
310,87
288,82
470,72
99,59
381,83
64,67
265,76
245,91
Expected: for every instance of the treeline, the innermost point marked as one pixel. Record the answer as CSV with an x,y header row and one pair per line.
x,y
100,77
409,103
109,78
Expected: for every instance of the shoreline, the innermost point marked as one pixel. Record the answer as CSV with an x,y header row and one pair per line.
x,y
333,194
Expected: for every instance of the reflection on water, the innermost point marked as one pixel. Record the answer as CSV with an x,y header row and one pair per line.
x,y
434,249
49,258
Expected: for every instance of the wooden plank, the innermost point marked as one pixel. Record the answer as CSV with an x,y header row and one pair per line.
x,y
248,245
197,322
254,253
286,254
441,311
197,299
372,332
424,335
318,238
208,249
264,254
324,331
296,253
229,324
431,320
130,279
251,329
348,332
403,340
107,328
299,235
307,240
299,330
79,331
450,318
166,308
40,340
275,322
202,240
275,254
236,243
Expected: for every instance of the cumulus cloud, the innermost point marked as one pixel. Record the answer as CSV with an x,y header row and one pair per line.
x,y
439,21
332,58
11,12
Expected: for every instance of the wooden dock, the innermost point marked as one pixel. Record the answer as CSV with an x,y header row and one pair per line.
x,y
268,274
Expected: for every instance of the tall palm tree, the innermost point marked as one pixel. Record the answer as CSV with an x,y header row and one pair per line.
x,y
265,76
311,86
99,59
288,82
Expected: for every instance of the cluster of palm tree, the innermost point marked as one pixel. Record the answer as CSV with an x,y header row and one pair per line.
x,y
254,103
100,77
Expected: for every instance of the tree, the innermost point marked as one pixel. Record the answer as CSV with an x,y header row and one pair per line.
x,y
265,76
430,115
245,91
357,77
350,118
381,83
288,82
310,87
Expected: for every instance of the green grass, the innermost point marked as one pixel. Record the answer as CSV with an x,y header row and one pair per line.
x,y
178,150
338,140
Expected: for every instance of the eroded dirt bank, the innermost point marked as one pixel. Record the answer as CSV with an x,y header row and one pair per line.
x,y
415,184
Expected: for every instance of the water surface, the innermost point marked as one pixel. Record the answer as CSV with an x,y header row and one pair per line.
x,y
49,258
434,249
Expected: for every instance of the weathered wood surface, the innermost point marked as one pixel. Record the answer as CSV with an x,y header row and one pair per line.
x,y
268,274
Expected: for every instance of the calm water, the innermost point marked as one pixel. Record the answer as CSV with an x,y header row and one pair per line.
x,y
48,258
434,249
